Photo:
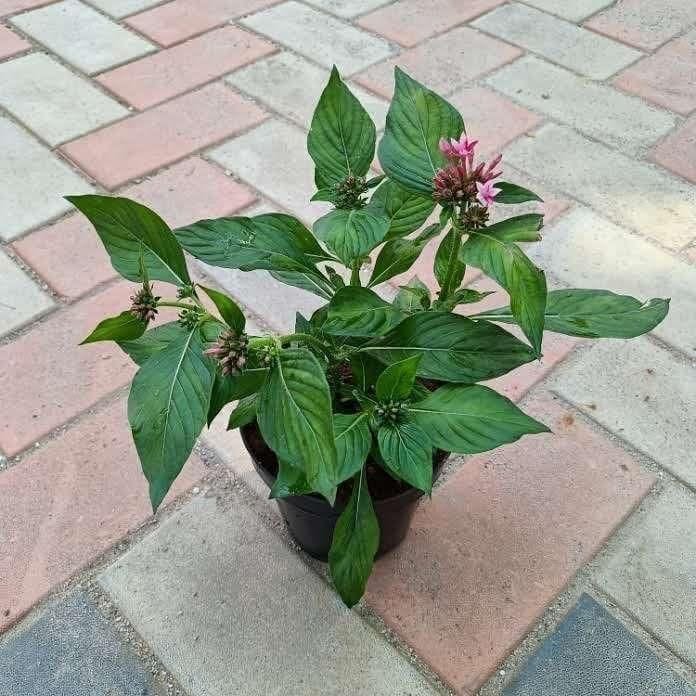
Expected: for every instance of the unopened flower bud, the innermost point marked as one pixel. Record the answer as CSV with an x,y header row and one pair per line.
x,y
230,351
144,303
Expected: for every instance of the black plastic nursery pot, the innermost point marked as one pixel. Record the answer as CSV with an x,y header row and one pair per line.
x,y
311,520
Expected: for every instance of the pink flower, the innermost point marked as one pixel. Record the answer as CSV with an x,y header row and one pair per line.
x,y
464,147
486,193
447,149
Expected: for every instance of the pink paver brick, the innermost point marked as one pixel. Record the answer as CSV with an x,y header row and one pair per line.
x,y
162,135
464,52
644,24
11,44
8,7
188,191
411,21
181,19
668,77
677,152
47,379
500,539
67,503
160,76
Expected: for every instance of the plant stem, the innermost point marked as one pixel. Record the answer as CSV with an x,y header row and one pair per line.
x,y
181,305
452,261
298,337
355,273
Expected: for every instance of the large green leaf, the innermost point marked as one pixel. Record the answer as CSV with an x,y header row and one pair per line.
x,y
290,481
313,282
470,419
341,140
443,258
356,311
453,348
123,327
406,210
511,193
594,314
152,341
417,119
134,236
294,416
525,283
396,381
353,443
227,389
351,234
407,453
167,409
229,310
355,543
522,228
244,412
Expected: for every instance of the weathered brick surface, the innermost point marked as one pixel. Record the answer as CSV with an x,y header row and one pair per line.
x,y
11,44
676,151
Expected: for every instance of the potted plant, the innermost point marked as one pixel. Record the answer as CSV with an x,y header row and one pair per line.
x,y
349,418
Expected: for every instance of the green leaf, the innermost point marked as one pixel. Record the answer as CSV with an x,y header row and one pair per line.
x,y
351,234
313,282
229,310
465,296
356,311
365,371
244,412
399,255
453,348
152,341
134,237
417,119
442,261
408,454
325,195
412,297
396,381
595,314
524,282
227,389
511,193
353,443
167,409
123,327
471,419
290,481
341,139
406,210
522,228
294,416
355,543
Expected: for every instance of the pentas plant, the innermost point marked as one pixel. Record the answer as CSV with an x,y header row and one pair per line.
x,y
364,379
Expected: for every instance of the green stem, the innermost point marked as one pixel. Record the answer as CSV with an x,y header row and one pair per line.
x,y
180,305
355,273
452,261
303,337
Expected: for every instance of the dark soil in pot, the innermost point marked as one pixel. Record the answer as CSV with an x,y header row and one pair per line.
x,y
311,520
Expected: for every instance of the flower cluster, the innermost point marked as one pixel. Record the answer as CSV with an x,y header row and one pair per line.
x,y
462,182
144,303
230,351
348,193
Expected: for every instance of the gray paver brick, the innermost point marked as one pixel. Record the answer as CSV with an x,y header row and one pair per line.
x,y
592,653
121,8
348,8
573,10
52,101
320,36
82,36
33,182
69,649
640,392
266,624
601,112
562,42
20,299
629,192
583,249
651,569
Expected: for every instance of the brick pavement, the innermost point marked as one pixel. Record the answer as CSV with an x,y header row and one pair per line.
x,y
530,564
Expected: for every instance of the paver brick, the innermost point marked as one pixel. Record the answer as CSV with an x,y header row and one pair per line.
x,y
593,653
676,151
21,300
165,74
70,648
665,78
292,86
68,502
190,190
11,44
640,392
585,250
643,24
347,8
564,43
319,36
82,36
8,7
52,101
629,192
472,52
223,555
47,379
624,122
178,20
34,182
500,538
572,10
122,8
650,570
411,21
162,135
